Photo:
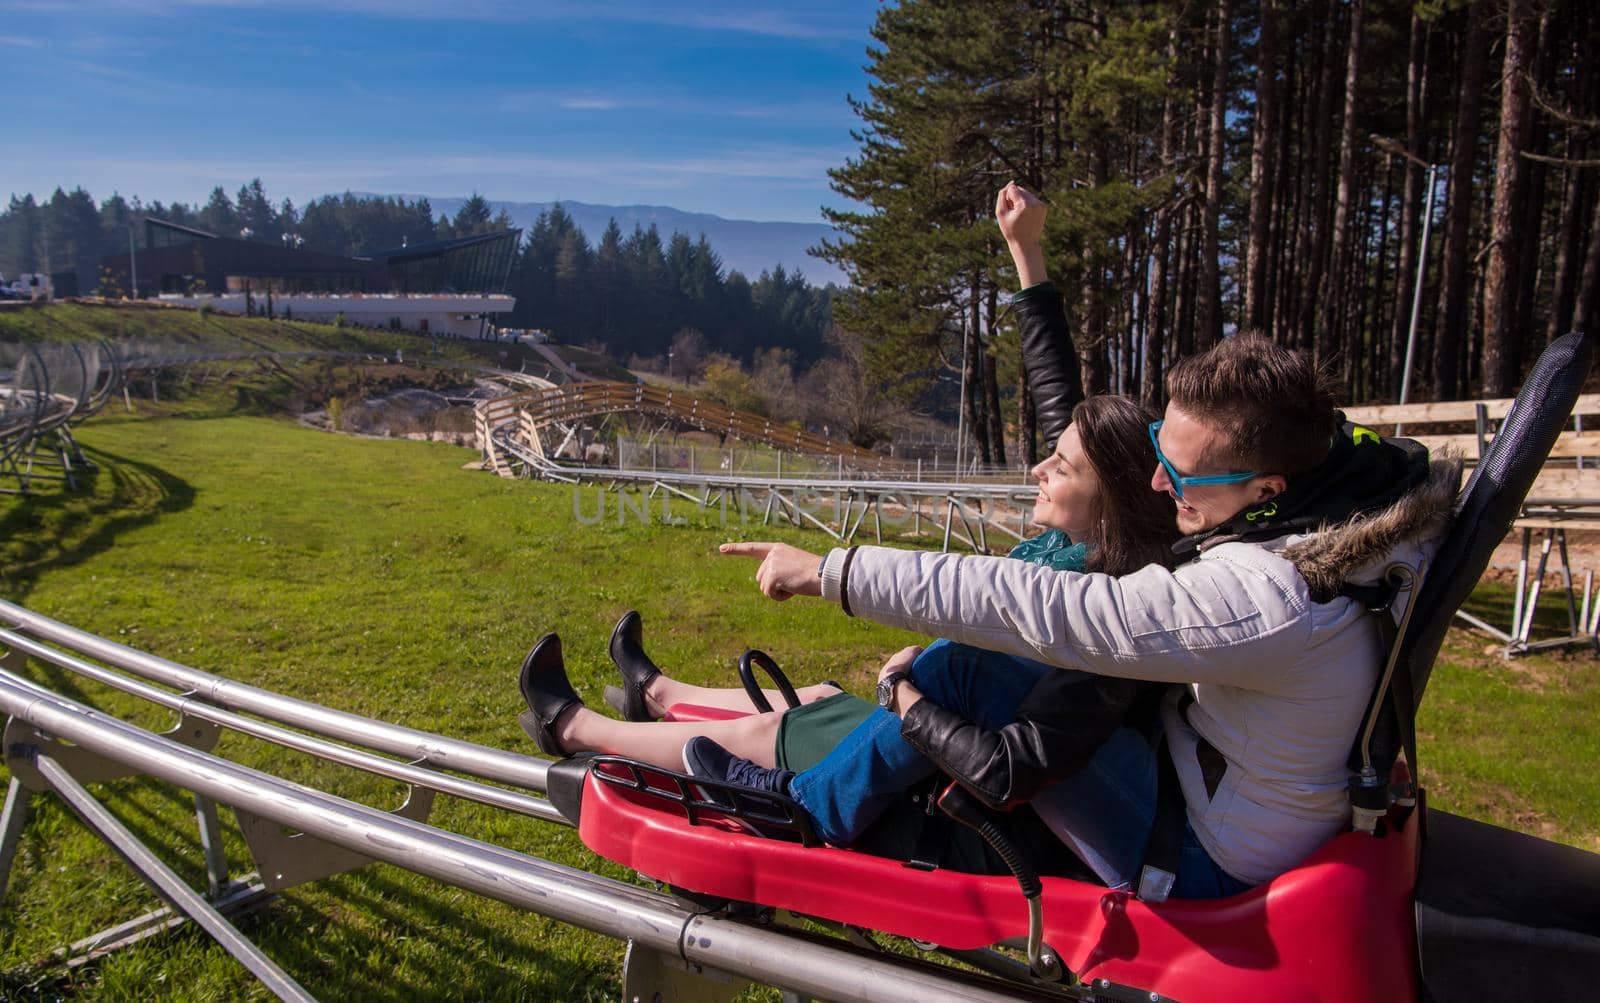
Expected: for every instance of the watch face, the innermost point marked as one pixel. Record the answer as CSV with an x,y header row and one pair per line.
x,y
885,692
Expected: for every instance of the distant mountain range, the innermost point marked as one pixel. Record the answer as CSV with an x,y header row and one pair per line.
x,y
744,245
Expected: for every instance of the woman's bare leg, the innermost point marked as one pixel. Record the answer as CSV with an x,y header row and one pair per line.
x,y
663,691
661,743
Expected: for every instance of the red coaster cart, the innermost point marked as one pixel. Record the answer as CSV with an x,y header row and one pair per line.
x,y
1411,904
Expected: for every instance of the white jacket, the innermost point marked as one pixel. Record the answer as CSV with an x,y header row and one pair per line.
x,y
1280,681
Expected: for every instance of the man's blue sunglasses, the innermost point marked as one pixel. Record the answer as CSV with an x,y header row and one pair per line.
x,y
1179,482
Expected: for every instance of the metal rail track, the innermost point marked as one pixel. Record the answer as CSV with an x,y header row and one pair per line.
x,y
55,744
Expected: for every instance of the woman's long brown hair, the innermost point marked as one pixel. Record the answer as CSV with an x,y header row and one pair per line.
x,y
1137,525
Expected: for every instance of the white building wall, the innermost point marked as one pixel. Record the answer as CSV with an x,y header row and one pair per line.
x,y
455,316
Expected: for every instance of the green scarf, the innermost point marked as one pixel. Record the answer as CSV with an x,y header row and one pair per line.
x,y
1052,548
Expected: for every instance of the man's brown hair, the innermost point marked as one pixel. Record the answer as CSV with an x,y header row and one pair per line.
x,y
1274,408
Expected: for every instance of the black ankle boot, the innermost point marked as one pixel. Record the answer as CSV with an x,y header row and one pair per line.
x,y
627,651
544,686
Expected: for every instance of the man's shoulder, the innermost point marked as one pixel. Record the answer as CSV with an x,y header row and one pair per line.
x,y
1259,568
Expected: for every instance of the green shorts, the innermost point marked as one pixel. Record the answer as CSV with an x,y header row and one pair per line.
x,y
810,731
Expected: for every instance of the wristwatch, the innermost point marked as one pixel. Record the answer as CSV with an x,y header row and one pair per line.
x,y
886,687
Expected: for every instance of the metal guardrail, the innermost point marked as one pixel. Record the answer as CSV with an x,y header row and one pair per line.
x,y
44,391
957,511
537,409
679,951
511,435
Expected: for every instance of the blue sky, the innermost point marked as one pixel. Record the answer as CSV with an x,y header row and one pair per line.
x,y
735,109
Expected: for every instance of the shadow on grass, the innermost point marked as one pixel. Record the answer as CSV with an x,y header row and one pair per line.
x,y
47,532
368,958
399,909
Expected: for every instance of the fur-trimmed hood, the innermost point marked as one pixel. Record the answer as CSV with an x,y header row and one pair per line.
x,y
1358,548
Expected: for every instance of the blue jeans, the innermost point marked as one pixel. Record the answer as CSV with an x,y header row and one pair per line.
x,y
1103,812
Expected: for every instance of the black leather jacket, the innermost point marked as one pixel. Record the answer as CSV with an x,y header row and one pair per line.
x,y
1048,359
1061,722
1066,717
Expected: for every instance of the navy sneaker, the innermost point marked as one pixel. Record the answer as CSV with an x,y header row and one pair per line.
x,y
704,759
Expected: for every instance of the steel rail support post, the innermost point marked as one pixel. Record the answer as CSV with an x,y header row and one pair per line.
x,y
1521,589
1525,630
166,883
1566,578
12,821
1588,596
216,857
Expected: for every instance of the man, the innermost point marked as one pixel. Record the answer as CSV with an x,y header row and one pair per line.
x,y
1283,506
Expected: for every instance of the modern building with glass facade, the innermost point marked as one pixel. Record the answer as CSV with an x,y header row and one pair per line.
x,y
446,286
480,264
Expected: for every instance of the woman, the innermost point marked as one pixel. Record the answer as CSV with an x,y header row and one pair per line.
x,y
1006,742
1098,515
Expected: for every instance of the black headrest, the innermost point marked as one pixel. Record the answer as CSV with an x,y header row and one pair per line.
x,y
1493,497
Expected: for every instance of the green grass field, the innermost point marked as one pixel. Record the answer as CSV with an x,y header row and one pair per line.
x,y
379,577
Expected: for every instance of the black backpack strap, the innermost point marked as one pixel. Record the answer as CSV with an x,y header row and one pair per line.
x,y
1392,708
1165,847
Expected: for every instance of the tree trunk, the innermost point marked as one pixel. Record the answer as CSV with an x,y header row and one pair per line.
x,y
996,424
1156,333
1583,309
1327,327
1502,357
1570,257
1092,347
1536,138
1027,436
996,421
1315,210
1564,292
1261,170
1281,266
1124,324
1092,344
1411,194
1208,312
1385,303
972,377
1455,286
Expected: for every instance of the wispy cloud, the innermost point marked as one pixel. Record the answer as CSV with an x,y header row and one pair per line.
x,y
778,22
20,42
775,23
807,111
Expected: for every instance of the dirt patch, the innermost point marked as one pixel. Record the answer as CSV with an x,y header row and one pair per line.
x,y
1583,551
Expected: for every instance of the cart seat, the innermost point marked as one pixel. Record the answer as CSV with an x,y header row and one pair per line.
x,y
1338,927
